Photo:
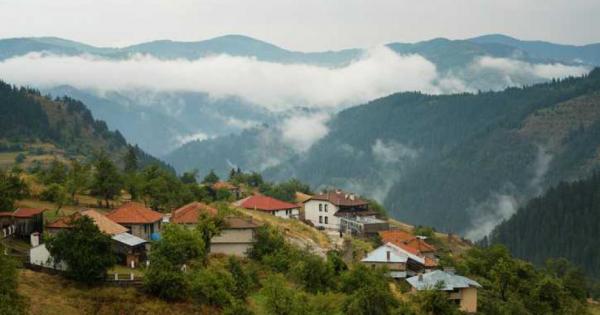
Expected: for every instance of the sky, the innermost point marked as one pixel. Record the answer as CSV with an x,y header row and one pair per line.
x,y
305,25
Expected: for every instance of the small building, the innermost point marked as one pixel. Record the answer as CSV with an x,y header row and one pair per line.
x,y
233,189
270,205
326,210
400,262
40,256
363,226
130,249
460,289
236,238
27,221
138,219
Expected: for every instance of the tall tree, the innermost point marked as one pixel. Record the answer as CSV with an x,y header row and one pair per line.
x,y
11,303
107,182
130,160
78,178
210,178
12,188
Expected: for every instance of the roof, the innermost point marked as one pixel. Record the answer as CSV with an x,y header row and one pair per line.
x,y
450,281
128,239
240,223
223,185
397,255
189,213
27,212
104,224
134,213
395,236
265,203
406,241
302,197
420,245
340,198
6,214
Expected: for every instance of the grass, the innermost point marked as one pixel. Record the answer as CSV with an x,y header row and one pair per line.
x,y
53,295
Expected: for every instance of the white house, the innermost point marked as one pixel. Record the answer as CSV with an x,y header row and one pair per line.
x,y
270,205
326,209
40,256
400,262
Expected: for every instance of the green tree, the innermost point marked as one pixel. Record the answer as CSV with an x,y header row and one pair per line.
x,y
280,298
85,249
20,158
178,245
210,178
313,273
56,173
368,291
55,193
165,280
130,160
435,301
268,241
107,182
190,177
242,280
163,190
212,286
12,188
208,227
78,179
11,303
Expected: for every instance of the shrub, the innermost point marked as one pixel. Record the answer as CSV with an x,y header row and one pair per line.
x,y
212,286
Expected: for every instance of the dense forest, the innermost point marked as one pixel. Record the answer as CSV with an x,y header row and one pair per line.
x,y
564,222
27,117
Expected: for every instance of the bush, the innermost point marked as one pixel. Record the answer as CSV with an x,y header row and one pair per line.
x,y
11,303
212,286
165,280
20,158
54,193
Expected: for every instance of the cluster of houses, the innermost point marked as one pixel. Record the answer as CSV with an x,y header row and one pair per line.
x,y
133,226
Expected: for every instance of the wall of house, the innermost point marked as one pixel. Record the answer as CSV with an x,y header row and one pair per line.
x,y
40,256
287,214
390,266
468,301
234,236
312,213
143,230
236,249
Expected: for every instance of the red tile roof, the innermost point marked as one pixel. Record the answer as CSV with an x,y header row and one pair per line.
x,y
223,185
395,236
189,213
420,245
265,203
27,212
407,241
63,222
134,213
340,198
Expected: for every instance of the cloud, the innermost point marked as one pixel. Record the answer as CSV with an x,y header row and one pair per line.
x,y
275,86
301,132
392,152
183,139
497,208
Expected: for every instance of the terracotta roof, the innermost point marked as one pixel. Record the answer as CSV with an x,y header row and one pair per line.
x,y
189,213
103,223
420,245
134,213
265,203
340,198
302,197
395,236
27,212
223,185
430,262
240,223
6,214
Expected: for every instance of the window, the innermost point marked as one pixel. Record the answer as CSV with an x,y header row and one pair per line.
x,y
326,220
320,207
320,219
325,207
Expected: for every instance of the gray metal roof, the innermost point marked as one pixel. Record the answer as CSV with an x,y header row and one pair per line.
x,y
450,281
128,239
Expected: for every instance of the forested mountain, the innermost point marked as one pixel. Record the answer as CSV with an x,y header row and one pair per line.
x,y
27,117
564,222
459,161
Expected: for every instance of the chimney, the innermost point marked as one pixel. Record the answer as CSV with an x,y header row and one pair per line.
x,y
388,255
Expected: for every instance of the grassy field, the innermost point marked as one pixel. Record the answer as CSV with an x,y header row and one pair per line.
x,y
52,295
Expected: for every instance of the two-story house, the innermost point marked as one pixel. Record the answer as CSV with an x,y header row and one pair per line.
x,y
325,210
138,219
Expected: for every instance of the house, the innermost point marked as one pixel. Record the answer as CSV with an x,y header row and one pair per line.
x,y
27,221
300,198
460,289
363,226
130,249
325,210
233,189
138,219
411,243
400,262
104,224
270,205
40,256
236,238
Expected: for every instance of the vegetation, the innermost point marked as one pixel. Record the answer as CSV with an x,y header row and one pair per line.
x,y
11,302
86,251
561,223
12,188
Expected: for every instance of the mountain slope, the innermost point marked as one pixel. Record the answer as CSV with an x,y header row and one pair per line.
x,y
564,222
457,162
26,117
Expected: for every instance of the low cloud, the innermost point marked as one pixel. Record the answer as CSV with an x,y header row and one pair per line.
x,y
497,208
302,131
198,136
392,152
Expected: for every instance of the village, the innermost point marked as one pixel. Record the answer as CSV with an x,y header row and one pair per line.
x,y
331,219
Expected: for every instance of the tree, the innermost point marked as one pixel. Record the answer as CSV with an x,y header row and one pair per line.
x,y
12,188
242,281
313,273
78,178
86,251
56,173
210,178
130,160
165,280
368,291
162,189
55,193
190,177
107,182
11,303
212,286
280,299
208,227
435,301
268,241
20,158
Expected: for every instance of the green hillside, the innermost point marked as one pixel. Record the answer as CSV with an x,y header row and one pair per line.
x,y
36,125
564,222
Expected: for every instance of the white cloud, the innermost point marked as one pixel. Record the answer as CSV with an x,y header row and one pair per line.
x,y
497,208
392,152
183,139
301,131
275,86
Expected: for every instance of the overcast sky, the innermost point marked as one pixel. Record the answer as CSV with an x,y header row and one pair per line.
x,y
300,24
